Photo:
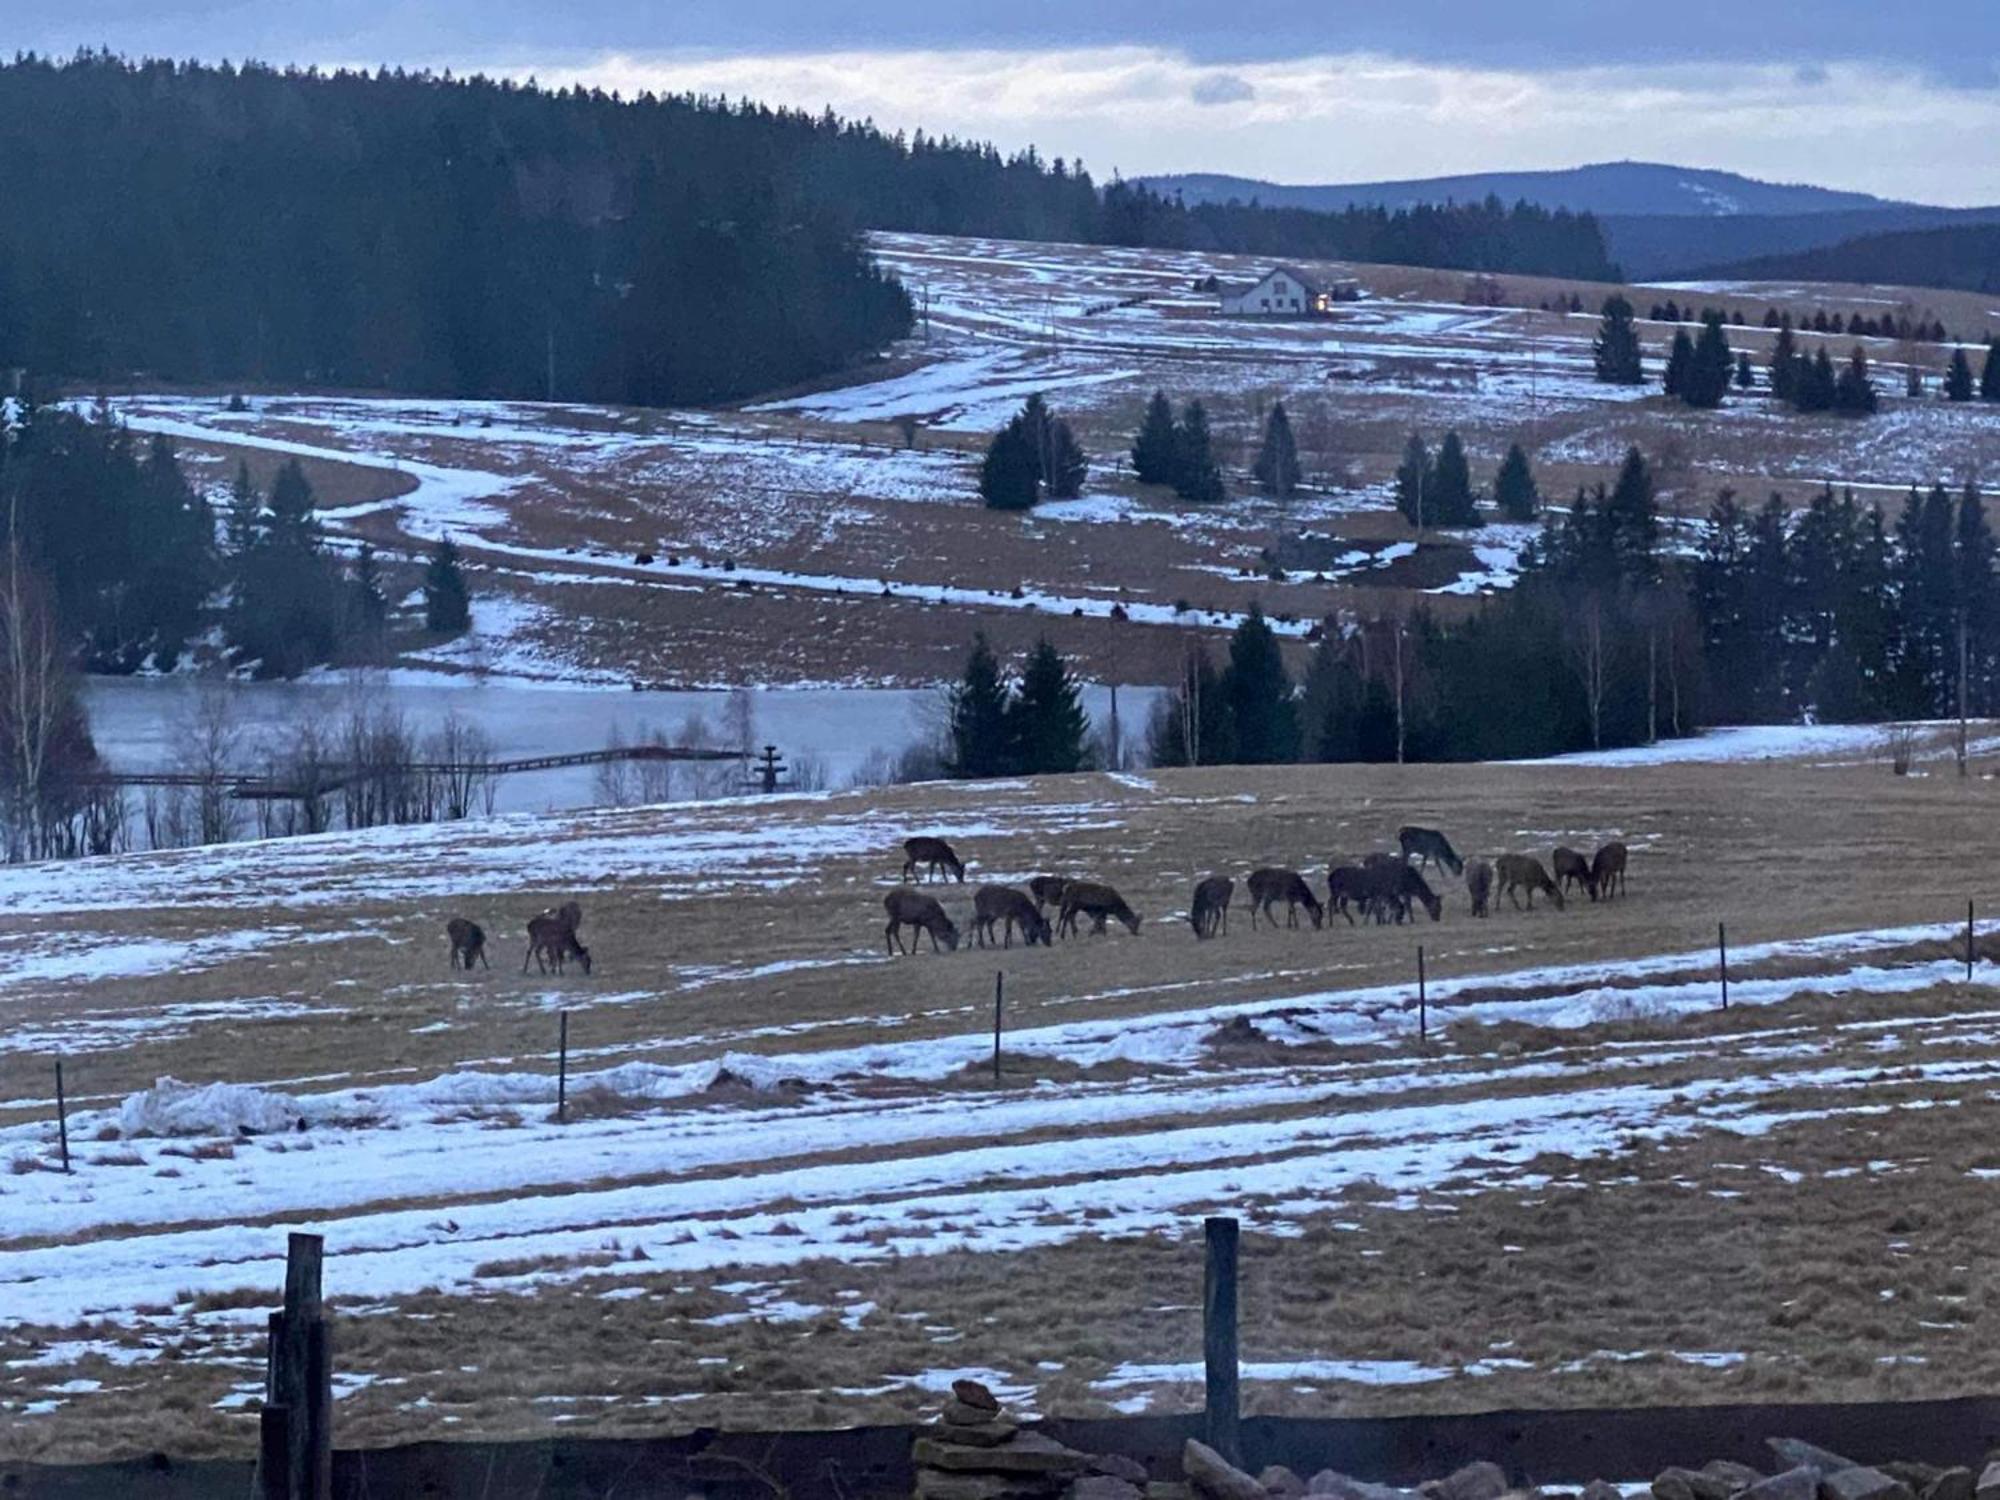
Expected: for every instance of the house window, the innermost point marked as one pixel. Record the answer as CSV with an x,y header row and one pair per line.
x,y
1265,303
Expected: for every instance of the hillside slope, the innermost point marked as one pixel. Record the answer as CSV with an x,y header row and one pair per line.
x,y
1965,257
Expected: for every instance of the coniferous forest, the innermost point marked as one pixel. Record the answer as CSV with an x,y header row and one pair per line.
x,y
248,224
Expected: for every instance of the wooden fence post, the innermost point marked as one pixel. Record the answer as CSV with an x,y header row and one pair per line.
x,y
999,990
562,1067
62,1111
1423,1005
295,1432
1218,1337
1722,950
1971,953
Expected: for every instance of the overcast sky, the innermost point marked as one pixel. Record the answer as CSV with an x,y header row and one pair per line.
x,y
1897,99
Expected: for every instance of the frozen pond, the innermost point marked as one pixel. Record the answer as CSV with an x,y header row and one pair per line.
x,y
143,723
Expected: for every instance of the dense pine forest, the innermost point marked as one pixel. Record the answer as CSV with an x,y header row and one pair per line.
x,y
224,224
1964,257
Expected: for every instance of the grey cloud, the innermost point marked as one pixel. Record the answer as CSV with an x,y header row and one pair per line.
x,y
1222,88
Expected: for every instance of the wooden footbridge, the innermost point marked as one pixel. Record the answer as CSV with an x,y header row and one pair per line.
x,y
333,776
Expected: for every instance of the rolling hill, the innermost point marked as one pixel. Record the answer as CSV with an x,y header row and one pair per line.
x,y
1965,257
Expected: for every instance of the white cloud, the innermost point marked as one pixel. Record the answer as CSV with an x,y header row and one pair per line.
x,y
1339,118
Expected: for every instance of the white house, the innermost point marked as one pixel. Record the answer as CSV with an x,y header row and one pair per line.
x,y
1283,292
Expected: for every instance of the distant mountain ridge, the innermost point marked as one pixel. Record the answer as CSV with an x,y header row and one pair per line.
x,y
1658,220
1961,256
1601,188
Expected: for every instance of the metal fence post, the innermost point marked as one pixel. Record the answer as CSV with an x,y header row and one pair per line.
x,y
1722,951
62,1116
999,990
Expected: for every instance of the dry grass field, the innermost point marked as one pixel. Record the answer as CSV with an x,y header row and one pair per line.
x,y
834,535
789,1171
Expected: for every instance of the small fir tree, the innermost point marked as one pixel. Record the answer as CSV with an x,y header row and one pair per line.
x,y
1615,355
1414,481
1196,474
1009,475
1679,361
978,716
447,603
1047,729
1854,392
1989,374
1785,362
1451,501
1155,452
1514,489
1277,466
1746,376
1958,378
1263,717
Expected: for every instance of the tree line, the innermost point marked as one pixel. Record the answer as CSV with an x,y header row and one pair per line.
x,y
1614,638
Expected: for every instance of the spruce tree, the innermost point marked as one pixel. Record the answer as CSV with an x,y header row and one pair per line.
x,y
1009,475
1705,380
242,518
1450,500
1615,355
292,522
1514,489
1854,392
1263,717
1277,466
370,605
978,713
447,604
1155,452
1414,481
1631,522
1816,388
1958,378
1047,729
1196,475
1680,361
1989,374
1068,464
1746,377
288,611
1978,595
1785,362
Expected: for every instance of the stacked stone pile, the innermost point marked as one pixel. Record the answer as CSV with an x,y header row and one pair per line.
x,y
975,1451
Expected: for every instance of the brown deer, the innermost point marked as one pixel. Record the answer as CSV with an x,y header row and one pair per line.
x,y
468,941
1047,891
934,856
1607,869
1210,912
1097,901
1523,871
914,909
993,905
1572,868
552,941
1271,885
1479,886
1347,884
1428,844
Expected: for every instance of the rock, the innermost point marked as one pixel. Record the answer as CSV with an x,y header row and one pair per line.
x,y
1738,1477
1104,1487
1603,1489
1118,1466
934,1484
1950,1484
1476,1481
985,1435
1698,1483
1167,1489
1918,1476
1988,1487
1862,1484
1801,1483
1023,1453
962,1414
1216,1477
1799,1454
1279,1480
972,1393
1330,1482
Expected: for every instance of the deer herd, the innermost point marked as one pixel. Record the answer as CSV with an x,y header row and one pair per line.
x,y
1381,887
552,941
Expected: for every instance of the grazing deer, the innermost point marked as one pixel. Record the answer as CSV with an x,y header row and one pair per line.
x,y
1097,901
1345,884
1519,871
1210,912
914,909
1428,844
1380,859
1411,886
1047,891
1607,869
993,905
552,941
1271,885
1573,869
468,941
1479,886
935,856
1385,891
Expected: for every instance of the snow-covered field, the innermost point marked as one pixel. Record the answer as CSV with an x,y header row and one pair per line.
x,y
783,1136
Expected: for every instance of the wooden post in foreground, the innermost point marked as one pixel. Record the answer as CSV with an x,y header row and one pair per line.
x,y
999,989
295,1432
1218,1337
62,1102
1722,951
1971,953
562,1067
1423,1009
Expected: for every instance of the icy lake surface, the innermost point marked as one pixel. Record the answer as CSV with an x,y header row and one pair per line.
x,y
141,723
